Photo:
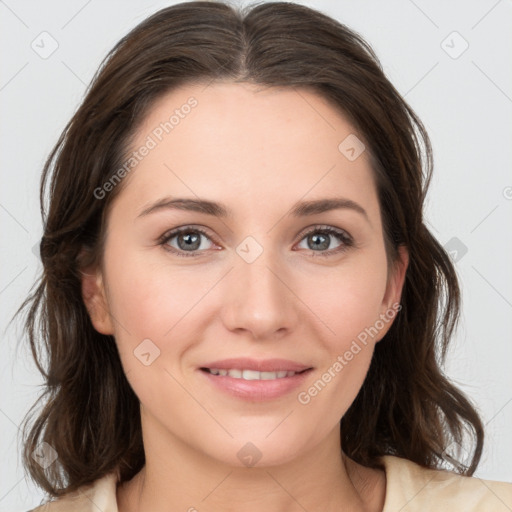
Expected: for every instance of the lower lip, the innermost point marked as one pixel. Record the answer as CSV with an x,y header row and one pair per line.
x,y
256,390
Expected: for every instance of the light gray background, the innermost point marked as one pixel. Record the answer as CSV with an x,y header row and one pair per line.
x,y
465,103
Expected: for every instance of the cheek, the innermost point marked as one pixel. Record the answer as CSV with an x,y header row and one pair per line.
x,y
150,306
349,304
160,309
149,297
146,301
350,309
349,300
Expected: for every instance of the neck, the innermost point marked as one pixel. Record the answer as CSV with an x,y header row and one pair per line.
x,y
178,477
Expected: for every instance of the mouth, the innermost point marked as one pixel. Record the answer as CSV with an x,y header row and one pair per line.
x,y
254,380
236,373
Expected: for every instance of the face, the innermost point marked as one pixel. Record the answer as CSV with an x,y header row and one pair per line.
x,y
274,275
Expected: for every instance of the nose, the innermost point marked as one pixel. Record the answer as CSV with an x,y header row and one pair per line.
x,y
259,298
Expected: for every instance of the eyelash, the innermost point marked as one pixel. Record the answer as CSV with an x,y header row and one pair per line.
x,y
346,240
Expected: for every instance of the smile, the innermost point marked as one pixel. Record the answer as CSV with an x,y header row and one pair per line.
x,y
254,385
250,374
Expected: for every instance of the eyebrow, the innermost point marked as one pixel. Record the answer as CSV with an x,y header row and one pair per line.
x,y
300,209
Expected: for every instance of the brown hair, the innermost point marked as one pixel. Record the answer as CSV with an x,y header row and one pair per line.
x,y
90,415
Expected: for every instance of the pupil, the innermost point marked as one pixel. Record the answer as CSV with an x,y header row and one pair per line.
x,y
190,240
323,245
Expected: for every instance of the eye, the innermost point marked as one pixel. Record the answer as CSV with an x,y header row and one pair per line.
x,y
188,240
319,238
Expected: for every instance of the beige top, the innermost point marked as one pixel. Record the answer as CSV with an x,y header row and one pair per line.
x,y
409,488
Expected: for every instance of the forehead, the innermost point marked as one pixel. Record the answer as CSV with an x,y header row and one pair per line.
x,y
226,117
241,140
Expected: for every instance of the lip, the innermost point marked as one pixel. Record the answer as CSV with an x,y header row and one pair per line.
x,y
256,390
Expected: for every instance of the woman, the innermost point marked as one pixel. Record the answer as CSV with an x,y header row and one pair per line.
x,y
241,303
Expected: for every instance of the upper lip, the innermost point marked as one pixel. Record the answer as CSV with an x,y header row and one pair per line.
x,y
262,365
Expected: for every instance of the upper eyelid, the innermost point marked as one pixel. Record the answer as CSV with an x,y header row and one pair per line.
x,y
171,233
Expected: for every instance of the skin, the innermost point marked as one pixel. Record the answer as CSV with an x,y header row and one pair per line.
x,y
258,151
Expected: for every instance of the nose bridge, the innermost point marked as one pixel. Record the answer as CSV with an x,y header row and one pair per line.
x,y
259,300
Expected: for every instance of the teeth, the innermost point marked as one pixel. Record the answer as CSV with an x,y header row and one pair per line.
x,y
251,374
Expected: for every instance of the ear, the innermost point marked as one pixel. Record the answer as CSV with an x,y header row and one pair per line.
x,y
396,279
95,300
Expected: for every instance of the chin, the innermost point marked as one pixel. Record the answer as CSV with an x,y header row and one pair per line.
x,y
259,449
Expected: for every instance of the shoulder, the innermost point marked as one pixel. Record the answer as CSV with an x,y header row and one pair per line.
x,y
100,495
411,488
